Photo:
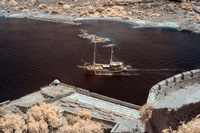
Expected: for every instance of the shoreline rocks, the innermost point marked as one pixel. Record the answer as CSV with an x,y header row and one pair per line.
x,y
181,15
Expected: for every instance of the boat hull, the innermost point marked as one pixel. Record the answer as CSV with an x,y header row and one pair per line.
x,y
104,72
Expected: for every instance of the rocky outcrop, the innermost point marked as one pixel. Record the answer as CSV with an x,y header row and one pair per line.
x,y
42,6
191,26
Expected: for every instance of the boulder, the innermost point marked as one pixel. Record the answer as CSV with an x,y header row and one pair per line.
x,y
66,6
42,6
32,2
60,3
26,10
91,11
186,6
197,9
13,2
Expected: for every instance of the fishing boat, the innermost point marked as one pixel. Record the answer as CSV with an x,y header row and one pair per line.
x,y
111,68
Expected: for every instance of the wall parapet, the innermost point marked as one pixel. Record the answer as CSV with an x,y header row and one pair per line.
x,y
172,84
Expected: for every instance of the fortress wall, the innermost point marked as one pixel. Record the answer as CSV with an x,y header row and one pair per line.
x,y
172,84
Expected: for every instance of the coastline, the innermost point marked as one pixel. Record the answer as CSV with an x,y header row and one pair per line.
x,y
183,15
138,23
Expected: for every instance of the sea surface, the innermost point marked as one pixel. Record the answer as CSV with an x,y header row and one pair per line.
x,y
33,53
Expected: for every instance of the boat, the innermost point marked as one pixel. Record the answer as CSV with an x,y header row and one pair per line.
x,y
111,68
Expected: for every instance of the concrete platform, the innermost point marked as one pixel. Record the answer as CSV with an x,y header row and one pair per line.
x,y
105,105
187,95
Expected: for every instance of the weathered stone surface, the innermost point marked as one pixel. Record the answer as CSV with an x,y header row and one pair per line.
x,y
42,6
197,9
190,26
65,105
66,6
72,106
101,105
5,102
178,83
90,107
30,99
60,3
56,91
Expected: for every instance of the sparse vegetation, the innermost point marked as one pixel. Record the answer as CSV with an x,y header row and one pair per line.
x,y
12,123
85,115
46,118
191,127
2,111
81,124
146,112
186,6
43,116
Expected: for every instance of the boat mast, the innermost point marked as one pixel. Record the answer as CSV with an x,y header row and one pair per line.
x,y
94,58
111,56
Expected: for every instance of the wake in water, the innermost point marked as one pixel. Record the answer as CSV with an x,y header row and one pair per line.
x,y
136,72
154,70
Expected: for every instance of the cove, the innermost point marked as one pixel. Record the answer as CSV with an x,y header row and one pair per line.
x,y
33,53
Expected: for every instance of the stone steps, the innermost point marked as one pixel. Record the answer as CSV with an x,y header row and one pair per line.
x,y
105,105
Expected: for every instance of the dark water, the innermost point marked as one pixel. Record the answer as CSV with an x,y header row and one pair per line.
x,y
34,53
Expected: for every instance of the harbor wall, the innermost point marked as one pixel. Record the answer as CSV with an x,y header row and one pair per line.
x,y
172,84
102,97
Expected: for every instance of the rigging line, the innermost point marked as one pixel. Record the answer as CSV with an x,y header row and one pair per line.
x,y
84,53
100,55
96,33
116,45
115,58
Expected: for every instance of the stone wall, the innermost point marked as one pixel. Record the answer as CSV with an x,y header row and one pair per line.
x,y
172,84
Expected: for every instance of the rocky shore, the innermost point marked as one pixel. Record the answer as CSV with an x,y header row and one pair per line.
x,y
183,15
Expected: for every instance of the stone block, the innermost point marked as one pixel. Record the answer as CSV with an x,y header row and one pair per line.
x,y
151,98
178,78
90,107
72,106
170,81
5,102
65,105
56,91
154,88
162,84
67,111
98,108
195,73
102,113
69,100
106,111
187,75
118,114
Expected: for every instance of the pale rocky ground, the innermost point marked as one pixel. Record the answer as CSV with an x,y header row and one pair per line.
x,y
183,15
187,95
